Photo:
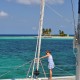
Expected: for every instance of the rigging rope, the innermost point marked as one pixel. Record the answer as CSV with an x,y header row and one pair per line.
x,y
29,68
73,16
64,71
60,15
74,41
63,16
43,68
31,65
16,68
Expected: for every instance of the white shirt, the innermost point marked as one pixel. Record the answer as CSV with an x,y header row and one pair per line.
x,y
50,59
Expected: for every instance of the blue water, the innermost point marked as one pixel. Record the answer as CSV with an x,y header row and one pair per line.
x,y
16,52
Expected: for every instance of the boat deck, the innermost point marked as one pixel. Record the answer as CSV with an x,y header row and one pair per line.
x,y
55,78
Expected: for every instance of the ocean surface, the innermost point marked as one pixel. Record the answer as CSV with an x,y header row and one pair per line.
x,y
15,53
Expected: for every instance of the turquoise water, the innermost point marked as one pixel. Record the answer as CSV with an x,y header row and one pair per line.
x,y
14,52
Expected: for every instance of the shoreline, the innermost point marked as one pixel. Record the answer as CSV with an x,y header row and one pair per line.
x,y
34,37
62,37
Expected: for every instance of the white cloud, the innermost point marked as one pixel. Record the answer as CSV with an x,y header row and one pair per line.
x,y
3,14
58,1
28,2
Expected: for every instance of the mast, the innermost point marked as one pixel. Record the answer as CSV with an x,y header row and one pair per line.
x,y
40,29
38,46
78,45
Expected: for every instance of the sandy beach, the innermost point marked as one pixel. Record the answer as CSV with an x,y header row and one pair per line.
x,y
58,37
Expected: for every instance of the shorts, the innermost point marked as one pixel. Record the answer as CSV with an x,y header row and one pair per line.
x,y
51,65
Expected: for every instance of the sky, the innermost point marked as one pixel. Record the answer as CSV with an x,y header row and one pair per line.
x,y
22,16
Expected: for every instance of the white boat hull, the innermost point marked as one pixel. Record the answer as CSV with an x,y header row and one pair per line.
x,y
54,78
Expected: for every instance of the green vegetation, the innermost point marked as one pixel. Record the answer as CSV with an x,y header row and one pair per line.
x,y
46,32
61,33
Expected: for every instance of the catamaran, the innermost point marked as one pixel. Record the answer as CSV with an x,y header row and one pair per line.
x,y
35,64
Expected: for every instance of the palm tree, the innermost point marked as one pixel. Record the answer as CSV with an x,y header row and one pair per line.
x,y
60,32
63,33
43,31
50,31
47,31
